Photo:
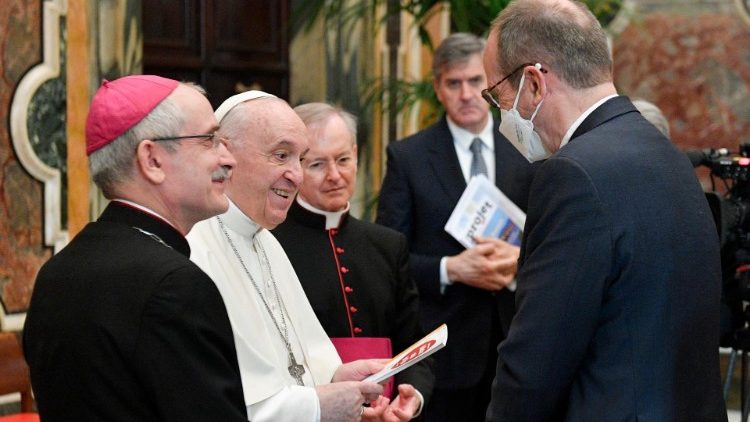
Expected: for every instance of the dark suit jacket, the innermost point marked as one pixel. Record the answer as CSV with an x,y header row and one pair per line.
x,y
618,286
357,280
124,328
422,185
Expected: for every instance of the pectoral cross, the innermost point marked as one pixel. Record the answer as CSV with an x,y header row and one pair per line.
x,y
295,370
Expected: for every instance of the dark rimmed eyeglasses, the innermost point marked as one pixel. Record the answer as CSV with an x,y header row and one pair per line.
x,y
487,92
214,137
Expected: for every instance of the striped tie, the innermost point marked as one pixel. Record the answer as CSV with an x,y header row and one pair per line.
x,y
478,165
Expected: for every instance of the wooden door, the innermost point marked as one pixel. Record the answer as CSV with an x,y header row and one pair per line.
x,y
227,46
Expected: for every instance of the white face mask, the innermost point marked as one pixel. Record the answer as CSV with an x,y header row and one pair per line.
x,y
520,132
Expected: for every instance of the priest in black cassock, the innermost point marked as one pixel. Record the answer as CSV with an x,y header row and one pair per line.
x,y
354,273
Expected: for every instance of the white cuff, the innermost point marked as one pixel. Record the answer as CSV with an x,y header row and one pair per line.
x,y
444,282
512,286
421,404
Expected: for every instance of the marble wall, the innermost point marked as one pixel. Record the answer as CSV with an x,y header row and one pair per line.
x,y
692,59
21,197
44,111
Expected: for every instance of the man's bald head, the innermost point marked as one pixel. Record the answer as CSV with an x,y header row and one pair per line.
x,y
563,35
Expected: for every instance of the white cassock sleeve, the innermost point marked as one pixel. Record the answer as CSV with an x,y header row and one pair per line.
x,y
276,408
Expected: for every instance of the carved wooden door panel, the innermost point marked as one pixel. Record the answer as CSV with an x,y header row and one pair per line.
x,y
227,46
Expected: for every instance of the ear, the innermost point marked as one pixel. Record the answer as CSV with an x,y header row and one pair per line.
x,y
537,83
150,161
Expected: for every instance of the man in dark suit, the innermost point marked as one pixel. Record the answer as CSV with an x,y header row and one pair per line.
x,y
122,325
465,288
617,307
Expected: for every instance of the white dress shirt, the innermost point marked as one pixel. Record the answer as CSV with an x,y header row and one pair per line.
x,y
462,140
581,118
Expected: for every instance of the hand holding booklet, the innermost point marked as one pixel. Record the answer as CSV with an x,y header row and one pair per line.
x,y
484,210
428,345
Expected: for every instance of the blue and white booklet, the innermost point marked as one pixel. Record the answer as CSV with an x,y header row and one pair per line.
x,y
484,210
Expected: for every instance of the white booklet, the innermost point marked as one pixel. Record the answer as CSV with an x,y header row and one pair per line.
x,y
483,210
428,345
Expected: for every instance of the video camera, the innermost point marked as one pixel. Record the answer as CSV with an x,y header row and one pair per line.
x,y
731,213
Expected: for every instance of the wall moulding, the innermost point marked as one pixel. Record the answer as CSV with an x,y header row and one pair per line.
x,y
54,235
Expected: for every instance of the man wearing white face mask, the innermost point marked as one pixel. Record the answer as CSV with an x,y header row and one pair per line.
x,y
519,131
465,288
619,274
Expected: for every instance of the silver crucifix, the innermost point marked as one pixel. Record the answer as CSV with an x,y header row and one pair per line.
x,y
295,370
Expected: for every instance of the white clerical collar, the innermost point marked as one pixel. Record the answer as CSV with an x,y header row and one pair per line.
x,y
583,117
463,137
333,218
144,209
240,223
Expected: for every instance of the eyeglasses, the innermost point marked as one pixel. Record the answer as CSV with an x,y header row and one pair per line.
x,y
487,92
214,137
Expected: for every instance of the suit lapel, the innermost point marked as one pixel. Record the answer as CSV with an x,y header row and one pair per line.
x,y
610,109
444,162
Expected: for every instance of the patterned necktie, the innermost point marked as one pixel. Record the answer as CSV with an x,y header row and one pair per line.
x,y
478,166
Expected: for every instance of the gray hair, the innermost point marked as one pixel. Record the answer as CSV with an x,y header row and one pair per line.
x,y
315,114
457,48
568,40
653,114
113,164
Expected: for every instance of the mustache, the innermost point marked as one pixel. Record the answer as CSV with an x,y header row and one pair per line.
x,y
221,174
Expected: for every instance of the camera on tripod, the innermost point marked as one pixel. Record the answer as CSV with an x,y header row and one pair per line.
x,y
731,212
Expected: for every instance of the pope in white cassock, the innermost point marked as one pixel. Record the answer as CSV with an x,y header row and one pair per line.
x,y
290,370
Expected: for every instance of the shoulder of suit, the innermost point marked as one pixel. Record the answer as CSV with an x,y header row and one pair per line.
x,y
419,139
376,231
